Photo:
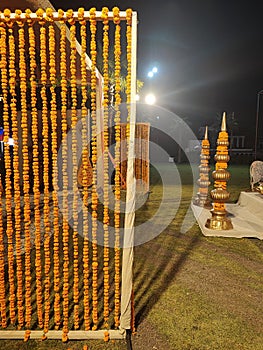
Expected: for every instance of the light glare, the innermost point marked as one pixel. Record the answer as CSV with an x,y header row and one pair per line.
x,y
150,99
11,141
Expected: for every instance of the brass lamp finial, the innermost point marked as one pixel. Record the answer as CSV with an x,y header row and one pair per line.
x,y
206,133
223,125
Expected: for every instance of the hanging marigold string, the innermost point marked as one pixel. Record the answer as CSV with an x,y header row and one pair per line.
x,y
8,185
26,185
53,118
106,337
12,89
133,325
2,252
7,19
106,218
34,132
45,143
36,190
63,73
94,199
2,259
117,57
74,120
85,155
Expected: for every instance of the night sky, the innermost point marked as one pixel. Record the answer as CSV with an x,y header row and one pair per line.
x,y
209,54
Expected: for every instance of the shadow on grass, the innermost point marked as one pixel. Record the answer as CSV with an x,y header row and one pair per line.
x,y
162,265
158,261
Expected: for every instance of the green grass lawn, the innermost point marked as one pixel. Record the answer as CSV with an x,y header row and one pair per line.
x,y
205,293
191,292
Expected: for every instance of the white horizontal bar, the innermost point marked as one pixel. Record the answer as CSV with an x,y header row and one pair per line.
x,y
33,15
72,335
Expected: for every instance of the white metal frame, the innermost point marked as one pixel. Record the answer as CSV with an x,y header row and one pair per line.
x,y
128,242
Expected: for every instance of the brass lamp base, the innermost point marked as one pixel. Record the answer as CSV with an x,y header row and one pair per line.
x,y
219,221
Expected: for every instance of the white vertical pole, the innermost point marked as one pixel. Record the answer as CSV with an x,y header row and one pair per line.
x,y
128,241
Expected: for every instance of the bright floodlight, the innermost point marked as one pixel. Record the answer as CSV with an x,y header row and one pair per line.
x,y
150,74
137,97
155,70
150,99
